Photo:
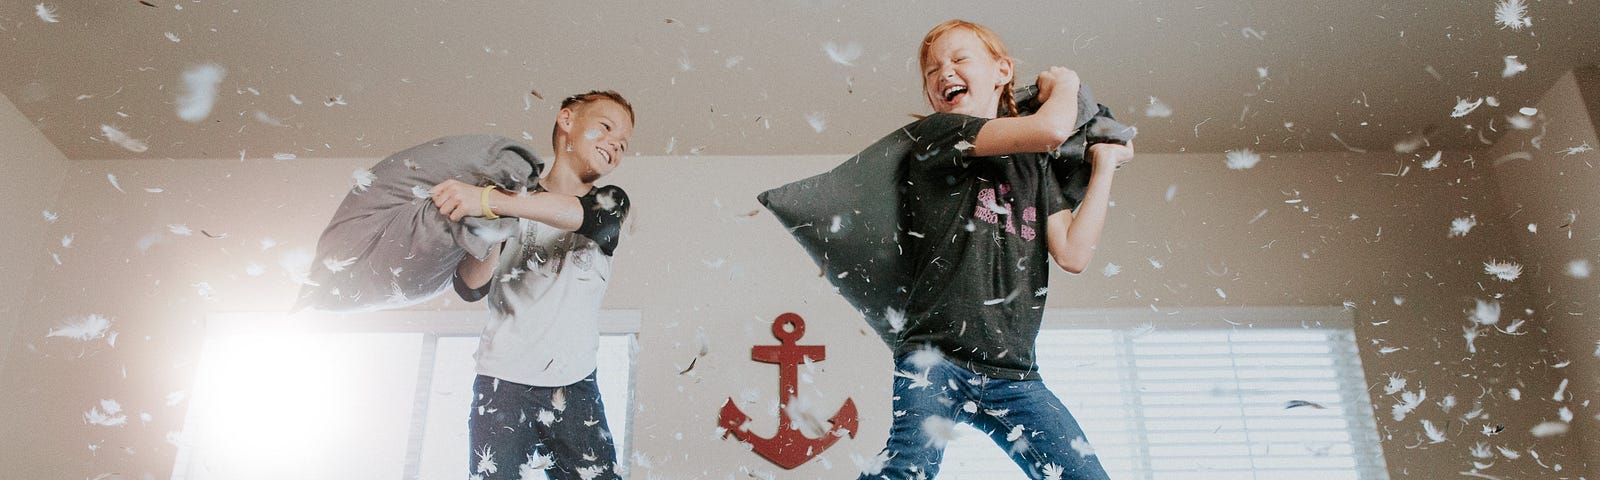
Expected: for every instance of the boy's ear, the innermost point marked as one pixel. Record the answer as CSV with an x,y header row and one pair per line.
x,y
564,120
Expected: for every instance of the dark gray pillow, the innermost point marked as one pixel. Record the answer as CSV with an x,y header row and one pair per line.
x,y
387,245
847,218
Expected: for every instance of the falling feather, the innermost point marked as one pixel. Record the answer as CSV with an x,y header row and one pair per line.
x,y
1435,162
1052,471
939,430
1461,226
870,465
1470,334
180,229
50,216
1578,268
1578,149
1508,453
896,319
1512,14
1242,159
844,55
283,156
486,460
1396,384
116,136
108,414
1464,107
361,179
1157,109
1111,270
1486,313
87,327
1550,429
1434,434
817,120
1303,403
1513,67
535,466
1082,446
337,265
1506,271
46,13
1408,401
200,91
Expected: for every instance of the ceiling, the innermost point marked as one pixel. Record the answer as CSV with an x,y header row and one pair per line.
x,y
723,77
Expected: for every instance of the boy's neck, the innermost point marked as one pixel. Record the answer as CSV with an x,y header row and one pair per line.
x,y
564,180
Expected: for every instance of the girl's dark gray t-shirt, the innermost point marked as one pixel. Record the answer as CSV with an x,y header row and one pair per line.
x,y
975,231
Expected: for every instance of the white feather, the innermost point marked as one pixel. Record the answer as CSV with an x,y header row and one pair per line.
x,y
1506,271
1513,67
817,120
1434,434
1156,109
1512,14
1242,159
87,327
199,92
1550,429
845,55
1464,107
1461,226
1578,268
116,136
46,13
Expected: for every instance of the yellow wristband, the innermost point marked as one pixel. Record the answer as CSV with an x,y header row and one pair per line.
x,y
483,201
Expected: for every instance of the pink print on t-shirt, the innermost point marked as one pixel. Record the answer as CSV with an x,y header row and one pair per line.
x,y
986,211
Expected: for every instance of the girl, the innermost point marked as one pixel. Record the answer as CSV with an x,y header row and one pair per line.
x,y
981,212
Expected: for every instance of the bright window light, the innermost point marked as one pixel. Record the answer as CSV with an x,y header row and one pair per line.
x,y
372,396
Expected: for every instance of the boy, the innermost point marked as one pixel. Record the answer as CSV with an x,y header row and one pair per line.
x,y
536,405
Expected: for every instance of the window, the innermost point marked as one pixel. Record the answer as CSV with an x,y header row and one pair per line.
x,y
1203,394
379,395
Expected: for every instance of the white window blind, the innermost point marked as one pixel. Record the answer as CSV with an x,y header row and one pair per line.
x,y
1203,394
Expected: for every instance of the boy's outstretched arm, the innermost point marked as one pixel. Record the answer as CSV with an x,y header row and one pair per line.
x,y
458,200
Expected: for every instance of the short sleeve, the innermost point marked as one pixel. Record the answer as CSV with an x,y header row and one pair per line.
x,y
940,142
604,209
1051,196
468,293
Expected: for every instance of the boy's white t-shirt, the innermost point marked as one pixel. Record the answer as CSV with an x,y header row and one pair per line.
x,y
545,298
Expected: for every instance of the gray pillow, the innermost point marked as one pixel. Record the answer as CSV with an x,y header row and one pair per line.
x,y
847,219
387,245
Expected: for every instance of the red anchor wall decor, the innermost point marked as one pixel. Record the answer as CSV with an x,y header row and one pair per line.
x,y
788,448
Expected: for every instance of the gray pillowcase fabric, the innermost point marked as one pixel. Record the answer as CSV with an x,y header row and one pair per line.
x,y
388,246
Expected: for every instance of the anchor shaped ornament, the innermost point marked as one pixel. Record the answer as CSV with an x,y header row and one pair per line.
x,y
789,447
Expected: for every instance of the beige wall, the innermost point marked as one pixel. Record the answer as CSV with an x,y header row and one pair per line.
x,y
1337,228
1544,185
31,173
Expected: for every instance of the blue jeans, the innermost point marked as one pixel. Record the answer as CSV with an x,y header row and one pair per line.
x,y
1022,417
515,428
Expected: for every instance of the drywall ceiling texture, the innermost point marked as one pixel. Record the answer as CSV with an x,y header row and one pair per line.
x,y
724,77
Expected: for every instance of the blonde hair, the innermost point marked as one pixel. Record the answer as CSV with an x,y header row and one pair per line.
x,y
586,98
997,48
